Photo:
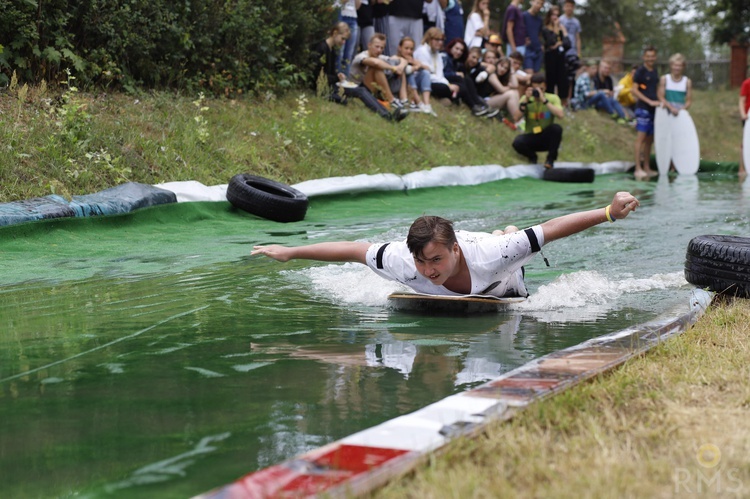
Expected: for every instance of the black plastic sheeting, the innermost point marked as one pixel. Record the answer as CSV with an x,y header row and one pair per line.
x,y
123,198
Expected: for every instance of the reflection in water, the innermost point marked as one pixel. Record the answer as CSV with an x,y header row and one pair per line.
x,y
167,383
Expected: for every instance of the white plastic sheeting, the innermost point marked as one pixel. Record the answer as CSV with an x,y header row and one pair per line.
x,y
440,176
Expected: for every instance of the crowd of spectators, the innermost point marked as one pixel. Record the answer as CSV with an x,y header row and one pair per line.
x,y
402,56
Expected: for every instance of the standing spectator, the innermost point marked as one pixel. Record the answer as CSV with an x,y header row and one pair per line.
x,y
348,14
573,55
324,74
405,19
587,95
556,42
365,22
533,20
514,29
478,24
675,89
432,16
429,54
417,77
744,104
380,16
625,92
542,133
454,18
645,84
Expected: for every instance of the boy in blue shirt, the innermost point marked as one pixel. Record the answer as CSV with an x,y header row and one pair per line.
x,y
645,86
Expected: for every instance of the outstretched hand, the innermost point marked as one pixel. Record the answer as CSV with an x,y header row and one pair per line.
x,y
275,251
622,204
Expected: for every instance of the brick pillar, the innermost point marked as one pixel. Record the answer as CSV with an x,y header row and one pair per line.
x,y
613,49
737,64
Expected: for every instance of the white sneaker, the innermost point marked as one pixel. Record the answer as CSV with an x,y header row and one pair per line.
x,y
427,109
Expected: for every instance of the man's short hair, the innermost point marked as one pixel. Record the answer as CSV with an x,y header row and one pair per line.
x,y
538,78
516,55
377,36
570,1
427,229
649,48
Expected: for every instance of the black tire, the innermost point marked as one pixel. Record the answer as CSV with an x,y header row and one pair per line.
x,y
267,198
719,263
581,175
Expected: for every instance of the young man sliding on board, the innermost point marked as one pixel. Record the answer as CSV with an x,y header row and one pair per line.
x,y
437,260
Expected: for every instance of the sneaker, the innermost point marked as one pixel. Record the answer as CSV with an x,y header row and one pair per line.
x,y
521,124
414,107
548,165
492,112
399,114
480,110
427,109
621,121
396,104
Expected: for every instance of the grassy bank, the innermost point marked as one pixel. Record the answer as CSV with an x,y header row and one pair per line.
x,y
69,142
674,423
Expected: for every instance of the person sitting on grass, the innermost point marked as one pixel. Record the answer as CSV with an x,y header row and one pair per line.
x,y
539,109
444,86
325,79
587,96
522,77
438,260
417,78
381,74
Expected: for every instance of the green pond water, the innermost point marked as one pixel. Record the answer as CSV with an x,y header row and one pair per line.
x,y
147,355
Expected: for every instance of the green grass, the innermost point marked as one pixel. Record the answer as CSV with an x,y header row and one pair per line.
x,y
68,142
651,428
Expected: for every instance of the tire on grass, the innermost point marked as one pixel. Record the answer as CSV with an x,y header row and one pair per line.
x,y
719,263
581,175
267,198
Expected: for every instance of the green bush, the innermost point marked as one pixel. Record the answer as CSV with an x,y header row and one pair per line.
x,y
226,47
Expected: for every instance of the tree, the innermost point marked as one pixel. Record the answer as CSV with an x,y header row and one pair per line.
x,y
730,20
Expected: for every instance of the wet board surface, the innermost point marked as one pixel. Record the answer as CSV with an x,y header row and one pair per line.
x,y
468,304
663,139
746,144
686,151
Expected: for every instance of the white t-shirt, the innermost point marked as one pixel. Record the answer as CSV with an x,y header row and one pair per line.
x,y
357,70
473,24
494,262
434,62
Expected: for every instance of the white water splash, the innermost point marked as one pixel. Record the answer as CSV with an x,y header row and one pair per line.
x,y
578,296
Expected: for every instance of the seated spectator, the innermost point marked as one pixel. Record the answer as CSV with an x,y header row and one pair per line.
x,y
454,87
494,88
381,74
603,82
586,95
325,80
417,78
624,95
522,77
542,134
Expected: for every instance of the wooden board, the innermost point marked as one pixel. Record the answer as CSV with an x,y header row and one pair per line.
x,y
468,304
686,151
746,144
663,139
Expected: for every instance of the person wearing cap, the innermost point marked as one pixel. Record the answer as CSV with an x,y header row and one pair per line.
x,y
495,43
539,109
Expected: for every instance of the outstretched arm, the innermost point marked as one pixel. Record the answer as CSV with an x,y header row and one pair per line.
x,y
344,251
622,204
